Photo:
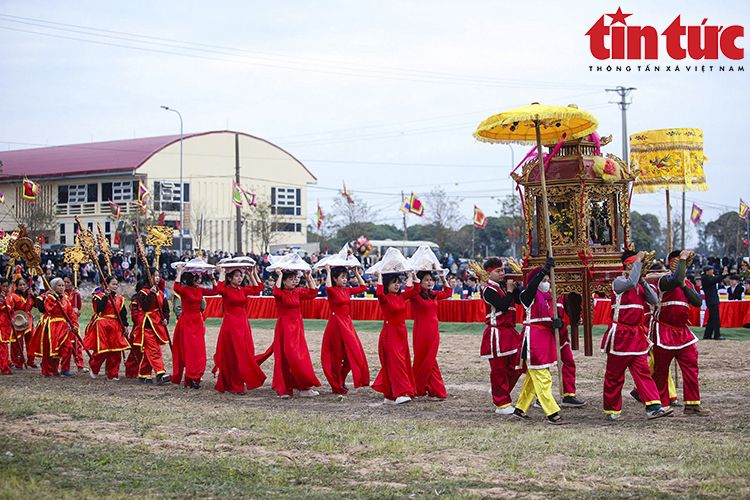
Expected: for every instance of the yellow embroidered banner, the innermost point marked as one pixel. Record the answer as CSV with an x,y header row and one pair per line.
x,y
668,159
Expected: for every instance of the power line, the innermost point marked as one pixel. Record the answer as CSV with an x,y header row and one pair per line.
x,y
276,61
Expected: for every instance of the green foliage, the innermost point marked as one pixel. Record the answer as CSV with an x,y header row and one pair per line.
x,y
721,235
645,232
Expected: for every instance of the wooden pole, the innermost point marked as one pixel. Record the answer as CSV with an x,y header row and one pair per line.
x,y
548,232
682,238
669,226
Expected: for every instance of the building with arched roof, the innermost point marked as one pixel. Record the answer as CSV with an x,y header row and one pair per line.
x,y
81,179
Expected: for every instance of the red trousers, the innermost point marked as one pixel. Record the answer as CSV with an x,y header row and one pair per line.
x,y
568,371
687,358
133,361
152,357
503,378
112,359
4,360
614,379
17,350
50,364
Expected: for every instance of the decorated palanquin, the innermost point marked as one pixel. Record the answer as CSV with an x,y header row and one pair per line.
x,y
589,220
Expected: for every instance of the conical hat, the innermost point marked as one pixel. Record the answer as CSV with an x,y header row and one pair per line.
x,y
195,266
424,259
392,262
341,259
288,262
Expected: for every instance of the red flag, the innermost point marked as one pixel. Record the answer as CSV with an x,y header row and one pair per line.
x,y
117,238
41,241
745,242
511,233
177,223
161,219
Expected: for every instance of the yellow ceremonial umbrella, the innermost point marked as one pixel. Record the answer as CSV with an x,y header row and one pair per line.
x,y
541,125
668,159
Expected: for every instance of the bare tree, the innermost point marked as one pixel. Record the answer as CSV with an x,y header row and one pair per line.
x,y
264,223
511,207
38,219
350,218
442,213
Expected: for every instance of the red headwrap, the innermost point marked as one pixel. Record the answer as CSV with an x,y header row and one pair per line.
x,y
492,268
629,260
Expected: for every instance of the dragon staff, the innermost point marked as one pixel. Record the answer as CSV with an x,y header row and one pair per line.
x,y
142,254
103,280
104,247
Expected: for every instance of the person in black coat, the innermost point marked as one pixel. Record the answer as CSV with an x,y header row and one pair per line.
x,y
735,288
708,284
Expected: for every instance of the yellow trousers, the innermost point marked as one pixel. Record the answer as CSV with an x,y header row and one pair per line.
x,y
670,380
537,383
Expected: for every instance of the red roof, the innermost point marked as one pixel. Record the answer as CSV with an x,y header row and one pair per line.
x,y
92,158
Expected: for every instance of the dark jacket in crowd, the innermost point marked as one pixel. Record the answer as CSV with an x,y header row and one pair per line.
x,y
708,285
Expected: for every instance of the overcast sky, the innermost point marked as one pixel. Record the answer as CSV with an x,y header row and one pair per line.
x,y
384,95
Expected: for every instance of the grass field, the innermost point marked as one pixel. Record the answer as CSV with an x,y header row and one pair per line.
x,y
84,439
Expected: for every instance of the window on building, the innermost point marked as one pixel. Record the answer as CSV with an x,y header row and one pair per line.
x,y
77,193
286,201
286,227
119,191
63,239
167,196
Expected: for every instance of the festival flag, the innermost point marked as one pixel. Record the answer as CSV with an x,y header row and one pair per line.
x,y
117,238
695,214
415,206
479,219
2,198
115,209
236,194
511,234
320,216
143,193
250,198
406,206
347,195
30,190
41,240
743,209
161,218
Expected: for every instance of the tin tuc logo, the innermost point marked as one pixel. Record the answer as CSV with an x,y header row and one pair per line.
x,y
642,42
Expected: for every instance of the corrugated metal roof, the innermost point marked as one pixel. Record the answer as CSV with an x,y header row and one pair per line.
x,y
81,159
92,158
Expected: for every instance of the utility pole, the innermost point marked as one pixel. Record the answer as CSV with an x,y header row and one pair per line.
x,y
623,104
238,244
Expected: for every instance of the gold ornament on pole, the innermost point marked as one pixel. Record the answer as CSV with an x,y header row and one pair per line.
x,y
159,236
104,247
75,256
